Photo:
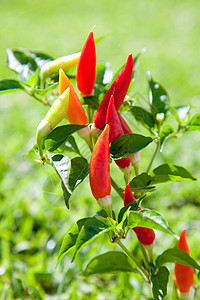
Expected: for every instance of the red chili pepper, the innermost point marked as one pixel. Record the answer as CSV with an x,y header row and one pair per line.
x,y
100,181
118,89
116,131
146,236
184,274
86,68
75,111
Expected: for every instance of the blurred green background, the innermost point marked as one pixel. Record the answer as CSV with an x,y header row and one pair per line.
x,y
33,218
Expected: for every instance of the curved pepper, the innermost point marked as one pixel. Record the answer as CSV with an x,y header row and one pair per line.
x,y
55,115
64,62
135,158
116,131
184,274
146,236
86,68
118,89
100,181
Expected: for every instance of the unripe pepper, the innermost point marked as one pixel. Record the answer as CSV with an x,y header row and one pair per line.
x,y
55,115
146,236
64,62
116,131
86,68
100,181
75,112
184,274
118,89
135,158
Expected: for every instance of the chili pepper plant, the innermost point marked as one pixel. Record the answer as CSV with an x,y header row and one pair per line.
x,y
94,101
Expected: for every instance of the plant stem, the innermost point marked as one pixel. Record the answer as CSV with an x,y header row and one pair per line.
x,y
154,155
89,111
117,188
140,268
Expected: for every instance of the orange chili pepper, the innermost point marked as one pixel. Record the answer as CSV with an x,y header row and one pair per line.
x,y
184,274
75,111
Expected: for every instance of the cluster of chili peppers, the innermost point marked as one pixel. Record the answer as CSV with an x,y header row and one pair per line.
x,y
108,126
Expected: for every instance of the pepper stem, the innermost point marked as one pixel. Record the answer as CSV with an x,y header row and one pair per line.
x,y
140,268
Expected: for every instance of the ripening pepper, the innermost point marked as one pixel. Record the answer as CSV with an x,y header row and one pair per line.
x,y
100,181
184,274
135,158
112,119
118,89
55,115
86,68
64,62
75,112
146,236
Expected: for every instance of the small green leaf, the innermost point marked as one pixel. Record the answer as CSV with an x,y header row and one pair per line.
x,y
176,256
59,135
46,90
128,144
21,61
159,283
33,80
133,206
143,116
69,145
150,219
141,181
180,112
110,262
10,85
194,123
92,229
70,238
166,131
169,172
91,101
71,173
158,97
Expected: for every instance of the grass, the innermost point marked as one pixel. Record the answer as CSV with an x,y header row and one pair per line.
x,y
34,222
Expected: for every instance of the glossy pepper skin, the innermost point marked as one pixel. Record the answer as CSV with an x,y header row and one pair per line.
x,y
116,131
100,181
146,236
75,112
86,68
118,89
64,62
184,274
55,115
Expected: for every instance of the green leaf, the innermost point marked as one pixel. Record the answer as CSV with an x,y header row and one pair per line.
x,y
71,173
150,219
21,61
92,229
176,256
169,172
46,90
40,58
181,112
69,145
143,116
33,80
128,144
194,123
91,101
110,262
133,207
159,283
142,183
158,97
10,85
166,131
59,135
70,238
